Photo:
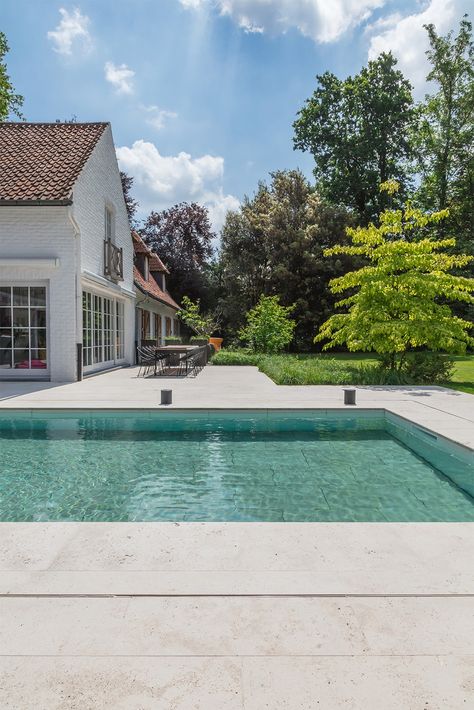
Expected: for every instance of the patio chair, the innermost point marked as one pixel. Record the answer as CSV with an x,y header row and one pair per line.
x,y
146,360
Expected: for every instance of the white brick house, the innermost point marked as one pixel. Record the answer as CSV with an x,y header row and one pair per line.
x,y
66,257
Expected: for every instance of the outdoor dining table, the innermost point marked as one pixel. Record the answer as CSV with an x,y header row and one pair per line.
x,y
174,352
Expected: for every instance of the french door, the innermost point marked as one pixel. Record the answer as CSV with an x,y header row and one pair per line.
x,y
103,337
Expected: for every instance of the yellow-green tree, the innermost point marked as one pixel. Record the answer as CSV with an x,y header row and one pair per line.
x,y
398,301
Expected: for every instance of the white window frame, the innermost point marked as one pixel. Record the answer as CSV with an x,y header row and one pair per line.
x,y
106,340
28,373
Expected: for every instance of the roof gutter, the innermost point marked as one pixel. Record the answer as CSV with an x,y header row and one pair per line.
x,y
155,298
36,203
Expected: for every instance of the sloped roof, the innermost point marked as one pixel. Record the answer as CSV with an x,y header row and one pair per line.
x,y
156,264
152,289
140,247
40,162
150,286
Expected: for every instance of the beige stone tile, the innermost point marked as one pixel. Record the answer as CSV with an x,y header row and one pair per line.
x,y
402,683
236,626
323,558
120,684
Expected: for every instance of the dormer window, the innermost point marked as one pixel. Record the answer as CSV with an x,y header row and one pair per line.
x,y
142,263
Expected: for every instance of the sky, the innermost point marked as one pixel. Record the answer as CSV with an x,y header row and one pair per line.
x,y
202,94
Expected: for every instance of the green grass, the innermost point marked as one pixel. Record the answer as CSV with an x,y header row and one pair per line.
x,y
335,369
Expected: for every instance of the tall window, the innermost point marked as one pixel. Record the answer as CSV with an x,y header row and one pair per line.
x,y
168,326
102,329
23,326
158,328
109,224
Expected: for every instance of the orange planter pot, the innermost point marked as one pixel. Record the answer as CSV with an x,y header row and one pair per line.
x,y
217,342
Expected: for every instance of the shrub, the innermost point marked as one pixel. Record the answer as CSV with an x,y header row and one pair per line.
x,y
173,340
428,368
269,326
198,340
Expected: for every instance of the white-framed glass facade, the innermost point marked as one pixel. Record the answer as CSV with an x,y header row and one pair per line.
x,y
23,328
103,337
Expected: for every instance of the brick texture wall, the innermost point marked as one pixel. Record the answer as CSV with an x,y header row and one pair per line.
x,y
46,232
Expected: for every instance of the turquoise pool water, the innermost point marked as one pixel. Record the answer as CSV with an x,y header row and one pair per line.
x,y
228,466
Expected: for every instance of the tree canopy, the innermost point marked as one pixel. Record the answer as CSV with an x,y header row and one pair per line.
x,y
182,236
10,101
445,135
274,246
357,130
399,300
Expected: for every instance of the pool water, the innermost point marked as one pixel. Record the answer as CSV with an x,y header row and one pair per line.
x,y
227,466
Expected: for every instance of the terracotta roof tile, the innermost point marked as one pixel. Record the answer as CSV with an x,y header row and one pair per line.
x,y
42,161
152,289
156,264
139,245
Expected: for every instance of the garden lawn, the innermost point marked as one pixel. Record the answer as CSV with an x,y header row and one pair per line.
x,y
333,369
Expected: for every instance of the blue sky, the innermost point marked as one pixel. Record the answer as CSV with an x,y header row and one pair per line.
x,y
202,94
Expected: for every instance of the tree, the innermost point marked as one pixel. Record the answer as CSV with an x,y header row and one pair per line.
x,y
274,245
357,131
10,102
269,327
445,135
182,236
130,203
398,301
202,324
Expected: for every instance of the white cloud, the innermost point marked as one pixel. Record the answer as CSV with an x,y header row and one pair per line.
x,y
321,20
72,30
158,117
161,181
408,40
120,76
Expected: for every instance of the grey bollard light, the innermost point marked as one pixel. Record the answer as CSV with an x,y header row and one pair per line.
x,y
349,396
166,396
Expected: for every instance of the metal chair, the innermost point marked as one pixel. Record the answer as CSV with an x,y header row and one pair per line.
x,y
146,360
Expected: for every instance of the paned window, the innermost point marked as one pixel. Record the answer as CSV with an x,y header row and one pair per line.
x,y
23,328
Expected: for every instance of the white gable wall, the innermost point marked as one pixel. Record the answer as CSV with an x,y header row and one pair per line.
x,y
98,186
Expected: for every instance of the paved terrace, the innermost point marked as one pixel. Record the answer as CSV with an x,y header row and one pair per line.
x,y
177,616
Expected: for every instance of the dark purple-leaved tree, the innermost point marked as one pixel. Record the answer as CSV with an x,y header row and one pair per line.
x,y
182,236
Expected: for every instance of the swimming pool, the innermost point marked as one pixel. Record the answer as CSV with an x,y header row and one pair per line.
x,y
272,465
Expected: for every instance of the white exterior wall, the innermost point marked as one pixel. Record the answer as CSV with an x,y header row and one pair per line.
x,y
98,186
28,233
147,303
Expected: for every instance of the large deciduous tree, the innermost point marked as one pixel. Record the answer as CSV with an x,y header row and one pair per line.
x,y
182,236
10,101
357,131
274,246
445,134
399,301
